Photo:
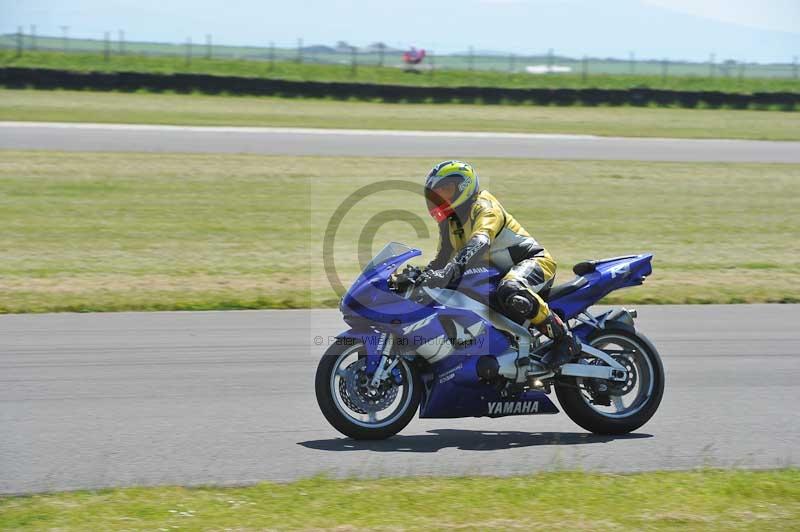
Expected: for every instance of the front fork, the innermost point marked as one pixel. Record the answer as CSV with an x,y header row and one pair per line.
x,y
381,363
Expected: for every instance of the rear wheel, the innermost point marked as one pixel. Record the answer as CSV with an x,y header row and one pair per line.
x,y
606,407
356,409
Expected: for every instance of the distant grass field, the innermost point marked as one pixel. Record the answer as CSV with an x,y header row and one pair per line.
x,y
387,75
80,106
700,500
106,232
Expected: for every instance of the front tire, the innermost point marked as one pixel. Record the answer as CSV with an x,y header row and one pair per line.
x,y
574,394
339,374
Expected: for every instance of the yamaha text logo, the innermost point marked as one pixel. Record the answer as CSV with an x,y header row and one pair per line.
x,y
513,407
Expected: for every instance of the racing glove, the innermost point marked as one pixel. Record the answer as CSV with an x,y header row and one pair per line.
x,y
453,270
442,277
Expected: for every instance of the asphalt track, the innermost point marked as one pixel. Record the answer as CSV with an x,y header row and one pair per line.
x,y
98,400
298,141
95,400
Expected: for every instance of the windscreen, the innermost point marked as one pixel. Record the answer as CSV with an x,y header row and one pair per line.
x,y
393,249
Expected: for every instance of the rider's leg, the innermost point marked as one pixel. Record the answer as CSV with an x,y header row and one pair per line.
x,y
518,291
565,345
518,294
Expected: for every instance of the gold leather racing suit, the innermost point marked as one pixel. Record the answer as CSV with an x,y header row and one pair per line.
x,y
529,267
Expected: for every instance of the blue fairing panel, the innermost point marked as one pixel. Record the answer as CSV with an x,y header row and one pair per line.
x,y
453,390
370,299
480,282
609,275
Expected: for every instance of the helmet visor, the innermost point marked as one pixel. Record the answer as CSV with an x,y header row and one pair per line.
x,y
439,199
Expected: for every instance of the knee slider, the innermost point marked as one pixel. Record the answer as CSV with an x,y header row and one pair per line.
x,y
517,301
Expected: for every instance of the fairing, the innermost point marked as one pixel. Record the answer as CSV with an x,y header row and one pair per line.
x,y
451,384
609,275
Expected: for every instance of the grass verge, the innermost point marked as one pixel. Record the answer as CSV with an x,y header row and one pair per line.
x,y
110,232
290,70
79,106
699,500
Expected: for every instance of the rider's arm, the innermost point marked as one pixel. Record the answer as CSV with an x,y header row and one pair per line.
x,y
488,220
445,249
472,251
488,217
453,269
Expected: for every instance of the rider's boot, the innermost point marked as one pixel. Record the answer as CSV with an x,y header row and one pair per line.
x,y
565,347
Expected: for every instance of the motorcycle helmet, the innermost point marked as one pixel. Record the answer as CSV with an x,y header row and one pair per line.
x,y
450,184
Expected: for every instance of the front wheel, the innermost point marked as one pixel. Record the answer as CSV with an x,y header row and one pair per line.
x,y
604,407
356,409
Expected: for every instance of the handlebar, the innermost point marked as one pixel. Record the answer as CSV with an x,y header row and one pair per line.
x,y
408,282
408,277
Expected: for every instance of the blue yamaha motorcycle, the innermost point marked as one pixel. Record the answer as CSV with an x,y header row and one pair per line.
x,y
448,353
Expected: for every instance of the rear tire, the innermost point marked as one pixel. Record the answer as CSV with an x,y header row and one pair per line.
x,y
576,407
348,425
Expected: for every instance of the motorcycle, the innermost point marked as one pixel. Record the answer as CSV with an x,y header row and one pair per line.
x,y
448,353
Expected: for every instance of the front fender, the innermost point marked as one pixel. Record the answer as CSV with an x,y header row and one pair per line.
x,y
372,343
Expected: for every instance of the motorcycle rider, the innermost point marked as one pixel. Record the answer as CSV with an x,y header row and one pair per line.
x,y
474,227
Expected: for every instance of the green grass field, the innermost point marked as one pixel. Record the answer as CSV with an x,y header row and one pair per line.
x,y
79,106
387,75
87,231
699,500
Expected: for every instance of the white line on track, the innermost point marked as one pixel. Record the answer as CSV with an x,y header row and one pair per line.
x,y
387,143
359,132
297,130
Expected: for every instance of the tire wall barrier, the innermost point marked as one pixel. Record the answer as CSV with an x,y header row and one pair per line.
x,y
208,84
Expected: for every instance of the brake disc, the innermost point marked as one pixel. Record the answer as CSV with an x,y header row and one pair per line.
x,y
359,396
621,388
601,391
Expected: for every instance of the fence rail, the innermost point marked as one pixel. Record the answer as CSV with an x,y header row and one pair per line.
x,y
185,83
109,44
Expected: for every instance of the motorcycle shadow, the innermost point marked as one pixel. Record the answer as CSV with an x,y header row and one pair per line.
x,y
465,440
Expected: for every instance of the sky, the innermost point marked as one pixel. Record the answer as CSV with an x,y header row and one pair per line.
x,y
764,31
